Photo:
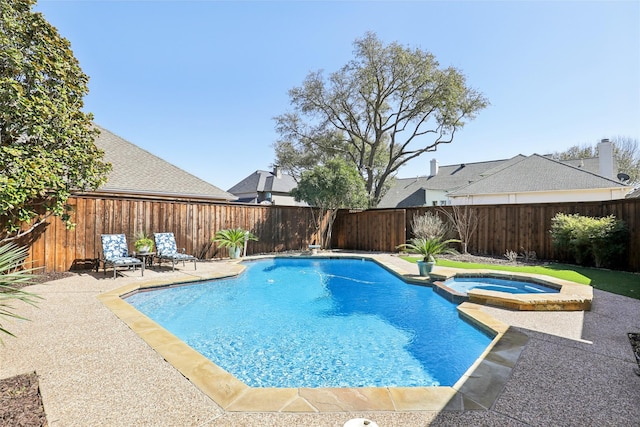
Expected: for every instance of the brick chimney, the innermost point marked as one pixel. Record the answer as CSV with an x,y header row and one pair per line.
x,y
605,158
434,168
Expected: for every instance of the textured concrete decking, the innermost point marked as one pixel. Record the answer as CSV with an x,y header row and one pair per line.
x,y
576,367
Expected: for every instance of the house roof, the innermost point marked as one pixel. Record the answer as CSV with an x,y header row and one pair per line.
x,y
634,194
408,192
591,164
136,171
264,181
536,173
517,174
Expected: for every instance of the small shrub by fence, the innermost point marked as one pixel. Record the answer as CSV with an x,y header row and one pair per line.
x,y
600,241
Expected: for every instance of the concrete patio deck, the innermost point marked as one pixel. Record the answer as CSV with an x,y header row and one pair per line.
x,y
575,369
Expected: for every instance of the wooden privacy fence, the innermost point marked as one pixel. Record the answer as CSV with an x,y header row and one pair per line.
x,y
284,228
279,228
500,228
370,230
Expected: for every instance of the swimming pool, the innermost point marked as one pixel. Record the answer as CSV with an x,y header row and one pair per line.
x,y
464,284
303,322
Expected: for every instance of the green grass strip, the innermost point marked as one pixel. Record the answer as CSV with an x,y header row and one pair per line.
x,y
617,282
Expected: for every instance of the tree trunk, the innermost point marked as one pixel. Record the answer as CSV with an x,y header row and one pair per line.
x,y
329,228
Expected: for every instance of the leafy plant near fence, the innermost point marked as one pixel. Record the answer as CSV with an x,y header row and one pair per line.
x,y
590,240
13,275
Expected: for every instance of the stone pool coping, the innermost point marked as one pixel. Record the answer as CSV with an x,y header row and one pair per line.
x,y
476,389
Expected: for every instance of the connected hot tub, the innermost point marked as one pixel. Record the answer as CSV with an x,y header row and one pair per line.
x,y
514,291
511,286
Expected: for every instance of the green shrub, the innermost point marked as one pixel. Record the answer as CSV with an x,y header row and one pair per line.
x,y
13,275
609,242
590,240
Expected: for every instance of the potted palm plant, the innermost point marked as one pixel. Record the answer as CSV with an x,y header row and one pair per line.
x,y
429,248
234,239
143,243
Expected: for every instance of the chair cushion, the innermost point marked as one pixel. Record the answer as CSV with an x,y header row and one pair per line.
x,y
178,256
114,246
165,244
124,261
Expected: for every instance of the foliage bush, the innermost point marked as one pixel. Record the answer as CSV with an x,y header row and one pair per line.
x,y
13,275
590,240
429,248
234,238
143,240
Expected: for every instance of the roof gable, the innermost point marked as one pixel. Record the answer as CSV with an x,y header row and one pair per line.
x,y
249,184
137,171
264,181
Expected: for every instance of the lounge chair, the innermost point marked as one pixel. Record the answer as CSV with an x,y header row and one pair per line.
x,y
166,249
116,254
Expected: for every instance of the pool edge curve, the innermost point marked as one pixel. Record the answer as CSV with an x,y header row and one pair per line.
x,y
477,389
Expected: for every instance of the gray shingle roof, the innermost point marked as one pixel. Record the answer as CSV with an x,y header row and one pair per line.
x,y
411,191
591,164
136,171
518,174
261,180
537,173
634,194
404,193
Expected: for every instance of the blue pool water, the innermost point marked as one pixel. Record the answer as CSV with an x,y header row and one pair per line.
x,y
464,284
305,322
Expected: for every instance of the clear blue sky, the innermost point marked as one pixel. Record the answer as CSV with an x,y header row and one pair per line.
x,y
199,82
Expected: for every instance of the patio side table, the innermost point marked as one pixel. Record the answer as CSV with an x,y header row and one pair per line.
x,y
147,258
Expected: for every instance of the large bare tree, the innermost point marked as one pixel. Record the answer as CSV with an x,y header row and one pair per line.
x,y
385,107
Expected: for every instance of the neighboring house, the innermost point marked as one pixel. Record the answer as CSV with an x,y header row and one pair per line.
x,y
265,187
136,172
433,190
521,179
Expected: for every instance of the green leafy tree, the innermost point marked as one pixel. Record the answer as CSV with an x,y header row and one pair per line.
x,y
47,145
387,106
335,185
625,152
